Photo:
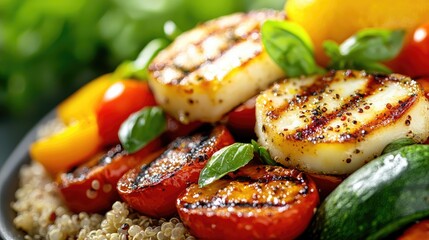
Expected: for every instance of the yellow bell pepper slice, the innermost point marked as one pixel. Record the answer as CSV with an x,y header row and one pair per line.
x,y
73,145
84,101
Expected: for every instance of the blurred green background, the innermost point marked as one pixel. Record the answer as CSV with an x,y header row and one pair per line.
x,y
48,48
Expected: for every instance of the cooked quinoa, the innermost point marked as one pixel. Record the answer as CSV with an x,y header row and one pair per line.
x,y
42,215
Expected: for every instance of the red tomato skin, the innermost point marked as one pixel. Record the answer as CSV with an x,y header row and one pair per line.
x,y
82,194
326,183
119,101
242,119
418,231
413,60
159,199
116,169
289,224
177,129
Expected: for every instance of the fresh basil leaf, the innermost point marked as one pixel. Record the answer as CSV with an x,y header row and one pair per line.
x,y
171,30
289,45
373,45
138,68
227,159
331,49
142,127
364,50
263,154
397,144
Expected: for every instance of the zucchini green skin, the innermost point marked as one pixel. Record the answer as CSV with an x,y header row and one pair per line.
x,y
378,199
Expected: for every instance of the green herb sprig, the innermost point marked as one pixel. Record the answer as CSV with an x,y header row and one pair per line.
x,y
290,46
231,158
365,50
137,69
141,128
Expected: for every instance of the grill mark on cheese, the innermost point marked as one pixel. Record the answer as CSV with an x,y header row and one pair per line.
x,y
319,85
230,40
320,119
390,115
357,116
196,69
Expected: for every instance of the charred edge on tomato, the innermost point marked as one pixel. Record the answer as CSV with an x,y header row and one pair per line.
x,y
218,202
184,151
268,179
271,173
80,172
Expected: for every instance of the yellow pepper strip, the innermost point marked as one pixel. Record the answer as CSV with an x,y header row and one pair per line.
x,y
84,101
69,147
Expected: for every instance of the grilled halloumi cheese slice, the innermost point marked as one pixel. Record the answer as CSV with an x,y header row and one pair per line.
x,y
211,69
334,124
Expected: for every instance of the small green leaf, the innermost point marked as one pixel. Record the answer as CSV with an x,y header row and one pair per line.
x,y
332,49
263,154
138,68
364,50
373,45
227,159
397,144
171,30
289,45
141,128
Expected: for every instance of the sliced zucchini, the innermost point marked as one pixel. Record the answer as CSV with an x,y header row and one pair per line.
x,y
378,199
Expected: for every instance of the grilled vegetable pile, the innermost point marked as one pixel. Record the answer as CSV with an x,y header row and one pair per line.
x,y
240,132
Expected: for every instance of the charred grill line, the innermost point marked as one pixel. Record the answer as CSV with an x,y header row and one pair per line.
x,y
117,151
321,119
389,115
184,151
80,172
319,122
301,98
202,204
218,201
187,71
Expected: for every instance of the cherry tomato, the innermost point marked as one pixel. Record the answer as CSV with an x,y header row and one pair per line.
x,y
91,187
417,231
260,202
177,129
152,189
413,60
326,183
119,101
242,120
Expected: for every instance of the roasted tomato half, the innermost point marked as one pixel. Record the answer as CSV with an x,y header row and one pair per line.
x,y
152,189
259,202
91,187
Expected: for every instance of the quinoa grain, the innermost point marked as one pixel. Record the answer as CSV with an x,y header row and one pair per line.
x,y
41,214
